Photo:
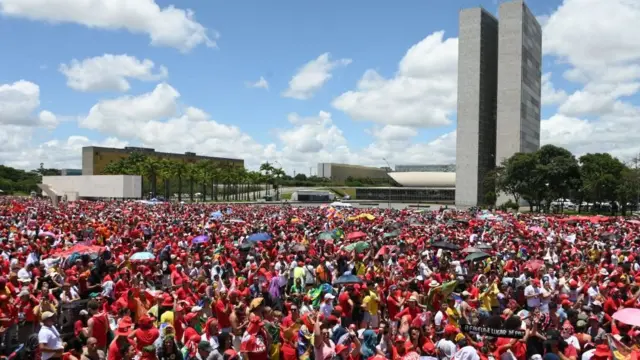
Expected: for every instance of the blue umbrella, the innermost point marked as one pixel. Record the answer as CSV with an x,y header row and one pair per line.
x,y
259,237
200,239
216,215
142,256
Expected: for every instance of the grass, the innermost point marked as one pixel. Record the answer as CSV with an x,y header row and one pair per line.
x,y
285,196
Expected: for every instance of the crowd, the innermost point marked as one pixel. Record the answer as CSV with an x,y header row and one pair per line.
x,y
130,280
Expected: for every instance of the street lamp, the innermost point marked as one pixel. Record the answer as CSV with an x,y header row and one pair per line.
x,y
389,189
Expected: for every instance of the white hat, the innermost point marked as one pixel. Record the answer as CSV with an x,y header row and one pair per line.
x,y
466,293
434,283
596,303
604,272
329,297
46,315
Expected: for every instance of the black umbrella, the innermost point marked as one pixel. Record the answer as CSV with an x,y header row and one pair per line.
x,y
347,279
477,256
445,245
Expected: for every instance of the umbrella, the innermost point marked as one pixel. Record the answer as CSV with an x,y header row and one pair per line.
x,y
471,250
359,246
445,245
484,247
200,239
246,246
259,237
629,316
635,222
47,233
216,215
356,235
534,265
477,256
299,248
347,279
237,221
326,236
394,233
142,256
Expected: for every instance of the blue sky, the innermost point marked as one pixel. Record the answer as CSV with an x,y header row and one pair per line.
x,y
274,40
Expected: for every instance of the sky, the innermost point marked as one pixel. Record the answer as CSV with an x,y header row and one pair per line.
x,y
292,82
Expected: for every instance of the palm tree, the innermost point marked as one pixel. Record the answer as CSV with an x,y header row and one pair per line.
x,y
178,170
278,173
267,170
203,175
151,168
165,173
192,171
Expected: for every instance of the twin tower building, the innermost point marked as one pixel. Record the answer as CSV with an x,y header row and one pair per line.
x,y
499,90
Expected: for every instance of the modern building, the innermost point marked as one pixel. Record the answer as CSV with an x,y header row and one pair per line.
x,y
499,88
71,188
440,180
426,168
341,172
95,159
71,172
477,91
519,81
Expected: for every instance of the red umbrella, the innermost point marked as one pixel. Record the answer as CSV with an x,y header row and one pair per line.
x,y
356,235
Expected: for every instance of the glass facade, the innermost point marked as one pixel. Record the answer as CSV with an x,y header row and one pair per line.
x,y
426,168
407,194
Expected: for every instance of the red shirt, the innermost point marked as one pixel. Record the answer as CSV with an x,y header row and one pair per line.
x,y
114,351
223,317
176,278
26,307
392,306
343,300
11,312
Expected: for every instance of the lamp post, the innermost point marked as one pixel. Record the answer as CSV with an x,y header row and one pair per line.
x,y
389,189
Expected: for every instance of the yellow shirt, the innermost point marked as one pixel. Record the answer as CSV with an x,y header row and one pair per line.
x,y
167,318
298,273
371,302
453,315
487,298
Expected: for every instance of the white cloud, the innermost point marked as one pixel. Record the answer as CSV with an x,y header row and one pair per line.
x,y
312,76
603,55
123,116
260,84
59,154
19,102
110,72
551,95
169,26
422,93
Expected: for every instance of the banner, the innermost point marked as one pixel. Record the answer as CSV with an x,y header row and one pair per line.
x,y
487,331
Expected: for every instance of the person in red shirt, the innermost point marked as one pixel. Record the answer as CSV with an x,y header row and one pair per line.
x,y
345,302
223,311
146,334
119,346
293,316
25,303
97,325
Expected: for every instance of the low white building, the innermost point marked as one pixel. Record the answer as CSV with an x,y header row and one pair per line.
x,y
92,186
312,195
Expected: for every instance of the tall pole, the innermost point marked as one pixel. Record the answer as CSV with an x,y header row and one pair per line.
x,y
389,189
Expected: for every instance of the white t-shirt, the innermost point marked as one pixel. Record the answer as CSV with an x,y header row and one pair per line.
x,y
438,318
531,290
50,337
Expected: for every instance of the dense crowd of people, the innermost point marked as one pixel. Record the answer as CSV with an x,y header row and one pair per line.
x,y
130,280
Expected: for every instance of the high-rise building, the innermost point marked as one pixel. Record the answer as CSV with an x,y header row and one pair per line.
x,y
499,77
477,90
519,81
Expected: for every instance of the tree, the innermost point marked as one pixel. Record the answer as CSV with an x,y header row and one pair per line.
x,y
559,170
601,174
300,177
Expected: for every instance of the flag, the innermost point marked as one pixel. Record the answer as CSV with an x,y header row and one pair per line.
x,y
618,349
443,291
